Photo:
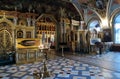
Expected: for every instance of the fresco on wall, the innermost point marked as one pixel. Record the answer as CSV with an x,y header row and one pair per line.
x,y
83,1
100,4
116,2
90,12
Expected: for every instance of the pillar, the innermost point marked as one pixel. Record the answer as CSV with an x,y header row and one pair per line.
x,y
29,21
15,20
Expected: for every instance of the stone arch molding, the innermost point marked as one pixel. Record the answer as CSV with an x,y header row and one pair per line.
x,y
94,18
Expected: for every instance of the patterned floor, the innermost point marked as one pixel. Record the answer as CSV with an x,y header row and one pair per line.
x,y
109,60
61,68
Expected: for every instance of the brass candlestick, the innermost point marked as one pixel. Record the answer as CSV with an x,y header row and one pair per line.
x,y
41,75
46,72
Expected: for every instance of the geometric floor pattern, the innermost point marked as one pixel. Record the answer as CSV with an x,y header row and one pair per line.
x,y
61,68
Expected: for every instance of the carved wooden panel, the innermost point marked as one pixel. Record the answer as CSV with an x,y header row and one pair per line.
x,y
5,40
5,37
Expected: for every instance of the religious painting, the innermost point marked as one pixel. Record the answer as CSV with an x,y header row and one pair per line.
x,y
20,34
90,12
100,4
27,43
28,34
116,2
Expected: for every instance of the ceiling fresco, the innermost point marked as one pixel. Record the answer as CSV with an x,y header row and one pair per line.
x,y
116,1
34,5
40,6
53,6
99,4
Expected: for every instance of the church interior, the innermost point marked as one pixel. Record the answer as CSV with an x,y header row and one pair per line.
x,y
59,39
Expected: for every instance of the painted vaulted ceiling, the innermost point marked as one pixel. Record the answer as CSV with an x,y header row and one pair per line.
x,y
69,7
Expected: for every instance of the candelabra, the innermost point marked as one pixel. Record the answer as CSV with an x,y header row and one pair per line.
x,y
42,75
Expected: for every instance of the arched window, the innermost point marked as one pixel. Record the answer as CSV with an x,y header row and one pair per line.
x,y
116,28
94,25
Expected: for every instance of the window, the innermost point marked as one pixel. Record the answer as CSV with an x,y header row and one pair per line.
x,y
117,29
94,25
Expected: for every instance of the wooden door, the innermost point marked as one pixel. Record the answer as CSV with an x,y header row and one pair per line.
x,y
5,37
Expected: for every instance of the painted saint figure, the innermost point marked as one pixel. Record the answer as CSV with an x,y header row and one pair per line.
x,y
100,4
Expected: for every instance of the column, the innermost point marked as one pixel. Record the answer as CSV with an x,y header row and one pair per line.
x,y
33,22
71,24
64,32
82,25
13,40
33,36
78,41
29,21
61,33
24,33
15,20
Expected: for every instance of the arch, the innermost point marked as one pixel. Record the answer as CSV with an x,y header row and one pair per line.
x,y
117,10
4,19
52,18
82,18
116,28
114,14
6,34
76,5
47,26
94,23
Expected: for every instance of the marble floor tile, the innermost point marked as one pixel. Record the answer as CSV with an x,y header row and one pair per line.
x,y
68,67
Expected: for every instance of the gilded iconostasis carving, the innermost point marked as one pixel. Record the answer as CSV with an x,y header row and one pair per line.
x,y
39,7
20,34
5,36
5,26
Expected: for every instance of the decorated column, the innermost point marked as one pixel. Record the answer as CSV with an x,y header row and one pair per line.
x,y
29,21
82,23
15,20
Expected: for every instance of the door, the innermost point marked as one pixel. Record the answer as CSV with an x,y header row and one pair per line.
x,y
5,41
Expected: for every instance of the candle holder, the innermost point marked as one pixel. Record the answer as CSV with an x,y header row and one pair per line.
x,y
46,72
43,73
